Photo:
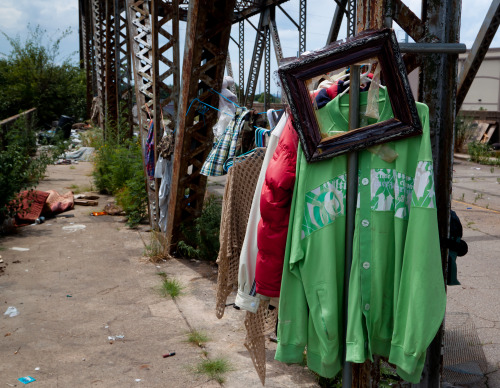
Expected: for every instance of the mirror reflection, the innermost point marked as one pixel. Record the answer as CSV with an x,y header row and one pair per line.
x,y
329,94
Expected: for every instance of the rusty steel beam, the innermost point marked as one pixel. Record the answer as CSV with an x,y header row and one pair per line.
x,y
340,11
408,21
267,70
302,25
370,15
258,51
246,9
241,60
165,71
139,19
142,58
478,52
86,49
110,77
437,89
207,39
124,69
275,36
98,31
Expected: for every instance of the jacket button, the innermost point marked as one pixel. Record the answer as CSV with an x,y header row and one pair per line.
x,y
365,223
365,181
366,265
367,307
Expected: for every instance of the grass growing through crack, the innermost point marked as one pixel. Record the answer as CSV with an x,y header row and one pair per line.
x,y
168,286
214,369
155,248
198,338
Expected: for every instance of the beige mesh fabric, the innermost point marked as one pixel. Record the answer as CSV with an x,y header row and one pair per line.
x,y
258,326
238,195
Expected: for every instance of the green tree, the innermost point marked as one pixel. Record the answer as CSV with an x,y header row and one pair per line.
x,y
33,75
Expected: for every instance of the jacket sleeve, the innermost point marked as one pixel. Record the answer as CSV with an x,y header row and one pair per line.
x,y
293,310
276,198
421,288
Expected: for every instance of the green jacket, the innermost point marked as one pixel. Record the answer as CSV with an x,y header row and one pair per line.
x,y
396,293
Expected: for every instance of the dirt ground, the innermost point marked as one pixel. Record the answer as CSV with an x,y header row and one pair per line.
x,y
83,280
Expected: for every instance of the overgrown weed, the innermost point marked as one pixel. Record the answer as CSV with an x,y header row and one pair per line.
x,y
214,369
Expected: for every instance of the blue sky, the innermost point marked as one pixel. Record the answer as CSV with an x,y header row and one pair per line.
x,y
60,14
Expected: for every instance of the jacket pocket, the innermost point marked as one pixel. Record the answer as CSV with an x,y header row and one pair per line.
x,y
328,310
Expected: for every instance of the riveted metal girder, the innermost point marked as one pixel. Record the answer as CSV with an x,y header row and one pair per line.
x,y
142,58
340,11
207,39
98,16
258,51
302,25
241,59
86,49
139,19
111,87
437,89
124,69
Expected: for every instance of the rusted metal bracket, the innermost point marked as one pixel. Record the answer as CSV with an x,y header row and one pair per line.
x,y
207,38
479,49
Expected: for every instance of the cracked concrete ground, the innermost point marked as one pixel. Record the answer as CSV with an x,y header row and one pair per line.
x,y
84,279
476,199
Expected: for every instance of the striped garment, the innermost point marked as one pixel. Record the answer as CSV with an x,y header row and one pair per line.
x,y
225,147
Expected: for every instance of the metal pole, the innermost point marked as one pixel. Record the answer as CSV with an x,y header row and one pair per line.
x,y
433,48
352,194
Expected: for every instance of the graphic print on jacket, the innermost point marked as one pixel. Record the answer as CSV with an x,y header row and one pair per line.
x,y
324,204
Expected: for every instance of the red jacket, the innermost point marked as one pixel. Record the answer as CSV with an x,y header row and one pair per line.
x,y
275,203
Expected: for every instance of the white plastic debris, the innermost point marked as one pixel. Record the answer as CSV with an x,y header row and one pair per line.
x,y
11,312
37,368
115,337
73,228
19,249
137,380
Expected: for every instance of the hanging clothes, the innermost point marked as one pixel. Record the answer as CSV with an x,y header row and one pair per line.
x,y
150,151
246,298
227,106
238,194
396,292
275,202
225,147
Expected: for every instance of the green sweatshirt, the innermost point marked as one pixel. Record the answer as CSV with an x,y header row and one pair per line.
x,y
396,293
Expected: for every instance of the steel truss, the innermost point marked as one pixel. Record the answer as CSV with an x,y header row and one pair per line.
x,y
207,39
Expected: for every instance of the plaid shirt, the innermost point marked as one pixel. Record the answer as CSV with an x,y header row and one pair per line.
x,y
225,147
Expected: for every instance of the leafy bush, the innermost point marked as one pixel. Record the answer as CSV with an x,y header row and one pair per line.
x,y
481,153
118,170
34,75
201,239
464,129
